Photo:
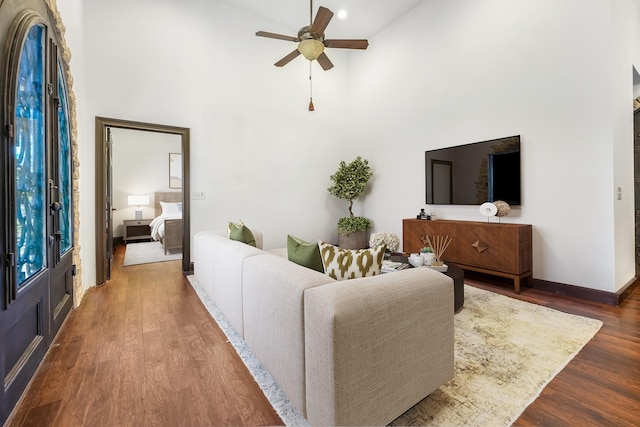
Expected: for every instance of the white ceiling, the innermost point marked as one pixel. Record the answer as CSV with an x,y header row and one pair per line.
x,y
365,17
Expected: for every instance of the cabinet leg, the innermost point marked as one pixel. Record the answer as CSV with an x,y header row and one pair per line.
x,y
516,282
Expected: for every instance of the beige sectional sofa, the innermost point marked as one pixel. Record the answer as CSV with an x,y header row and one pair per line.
x,y
356,352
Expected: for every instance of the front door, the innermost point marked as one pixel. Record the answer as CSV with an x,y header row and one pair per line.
x,y
36,232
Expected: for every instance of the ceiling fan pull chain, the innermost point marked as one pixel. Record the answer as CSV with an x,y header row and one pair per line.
x,y
311,107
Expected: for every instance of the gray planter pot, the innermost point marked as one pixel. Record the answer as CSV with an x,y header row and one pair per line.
x,y
355,240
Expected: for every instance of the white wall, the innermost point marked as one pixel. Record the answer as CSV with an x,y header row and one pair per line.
x,y
625,15
447,73
140,166
480,70
256,152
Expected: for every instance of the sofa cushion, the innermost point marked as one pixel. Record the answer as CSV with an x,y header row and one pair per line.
x,y
342,264
304,253
241,233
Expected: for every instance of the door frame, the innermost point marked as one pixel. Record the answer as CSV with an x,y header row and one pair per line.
x,y
102,123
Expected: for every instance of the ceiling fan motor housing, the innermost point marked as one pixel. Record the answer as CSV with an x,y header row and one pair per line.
x,y
305,34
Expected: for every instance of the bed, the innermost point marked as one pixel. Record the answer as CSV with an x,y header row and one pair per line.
x,y
166,227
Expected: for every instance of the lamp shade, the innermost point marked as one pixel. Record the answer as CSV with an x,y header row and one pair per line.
x,y
311,48
138,199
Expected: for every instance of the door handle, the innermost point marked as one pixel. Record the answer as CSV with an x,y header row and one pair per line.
x,y
56,206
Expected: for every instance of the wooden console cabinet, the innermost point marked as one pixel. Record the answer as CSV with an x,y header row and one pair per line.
x,y
498,249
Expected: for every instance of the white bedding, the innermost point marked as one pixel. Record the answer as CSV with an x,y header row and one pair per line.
x,y
157,225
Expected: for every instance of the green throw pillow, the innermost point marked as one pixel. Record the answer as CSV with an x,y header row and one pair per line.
x,y
304,253
241,233
342,264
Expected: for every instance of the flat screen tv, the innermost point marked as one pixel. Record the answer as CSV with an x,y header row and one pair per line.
x,y
472,174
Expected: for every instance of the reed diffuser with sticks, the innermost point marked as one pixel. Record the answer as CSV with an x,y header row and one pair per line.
x,y
438,244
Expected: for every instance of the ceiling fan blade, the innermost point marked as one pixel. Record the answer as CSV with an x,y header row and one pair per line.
x,y
347,44
284,61
277,36
323,17
324,61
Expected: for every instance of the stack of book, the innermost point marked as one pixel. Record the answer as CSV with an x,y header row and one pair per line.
x,y
389,266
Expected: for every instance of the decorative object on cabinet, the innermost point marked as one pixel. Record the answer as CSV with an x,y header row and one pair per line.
x,y
503,250
423,214
503,208
138,200
498,208
488,209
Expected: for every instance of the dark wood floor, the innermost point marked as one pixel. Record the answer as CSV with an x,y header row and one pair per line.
x,y
143,351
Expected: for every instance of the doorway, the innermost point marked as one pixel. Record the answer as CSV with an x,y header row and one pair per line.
x,y
104,199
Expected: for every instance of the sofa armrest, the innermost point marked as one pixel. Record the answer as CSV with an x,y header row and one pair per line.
x,y
376,346
273,295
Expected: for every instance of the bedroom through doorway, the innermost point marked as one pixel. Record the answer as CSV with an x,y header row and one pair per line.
x,y
142,195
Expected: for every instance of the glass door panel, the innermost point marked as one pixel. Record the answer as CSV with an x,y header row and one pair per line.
x,y
30,186
64,167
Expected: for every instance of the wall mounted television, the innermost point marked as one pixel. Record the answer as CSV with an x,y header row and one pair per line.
x,y
475,173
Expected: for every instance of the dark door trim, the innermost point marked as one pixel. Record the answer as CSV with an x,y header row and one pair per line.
x,y
101,163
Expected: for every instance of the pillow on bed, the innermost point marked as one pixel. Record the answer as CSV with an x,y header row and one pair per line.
x,y
304,253
342,264
171,208
241,233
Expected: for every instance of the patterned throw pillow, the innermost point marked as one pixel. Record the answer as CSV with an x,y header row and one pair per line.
x,y
342,264
241,233
304,253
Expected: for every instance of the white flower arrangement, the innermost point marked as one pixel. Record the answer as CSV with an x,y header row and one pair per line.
x,y
391,240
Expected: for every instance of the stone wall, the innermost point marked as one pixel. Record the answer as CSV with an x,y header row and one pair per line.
x,y
65,54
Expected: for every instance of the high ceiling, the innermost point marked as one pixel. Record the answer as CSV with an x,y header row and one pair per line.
x,y
365,17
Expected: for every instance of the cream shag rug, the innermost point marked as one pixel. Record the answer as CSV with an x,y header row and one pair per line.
x,y
506,352
148,252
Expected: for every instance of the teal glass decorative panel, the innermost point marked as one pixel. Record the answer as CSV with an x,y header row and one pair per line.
x,y
30,189
64,158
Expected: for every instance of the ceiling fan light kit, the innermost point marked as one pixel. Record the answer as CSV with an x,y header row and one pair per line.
x,y
311,48
311,42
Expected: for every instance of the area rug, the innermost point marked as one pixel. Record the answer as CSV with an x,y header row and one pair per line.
x,y
148,252
506,352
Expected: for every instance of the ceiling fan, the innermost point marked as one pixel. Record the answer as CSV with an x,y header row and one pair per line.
x,y
311,41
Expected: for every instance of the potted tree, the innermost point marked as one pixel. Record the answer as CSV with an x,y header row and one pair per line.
x,y
349,182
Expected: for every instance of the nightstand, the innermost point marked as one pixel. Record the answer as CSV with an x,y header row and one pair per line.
x,y
136,229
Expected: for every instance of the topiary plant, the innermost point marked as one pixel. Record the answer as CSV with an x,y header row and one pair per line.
x,y
349,182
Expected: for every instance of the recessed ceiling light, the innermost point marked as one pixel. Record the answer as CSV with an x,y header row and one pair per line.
x,y
342,14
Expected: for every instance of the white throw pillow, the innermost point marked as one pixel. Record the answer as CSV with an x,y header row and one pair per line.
x,y
170,208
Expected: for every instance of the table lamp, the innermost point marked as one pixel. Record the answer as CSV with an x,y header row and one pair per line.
x,y
138,200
